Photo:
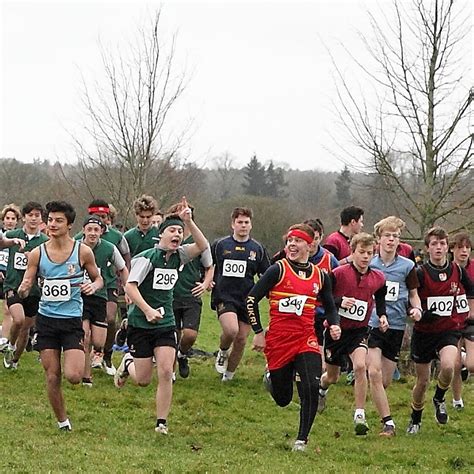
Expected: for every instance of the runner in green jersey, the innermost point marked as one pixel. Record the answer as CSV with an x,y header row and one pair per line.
x,y
151,323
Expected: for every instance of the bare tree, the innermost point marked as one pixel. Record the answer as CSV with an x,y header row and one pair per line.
x,y
127,149
413,126
225,173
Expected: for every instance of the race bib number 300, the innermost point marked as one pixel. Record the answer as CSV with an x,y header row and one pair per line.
x,y
20,261
292,304
164,278
56,290
441,305
356,312
234,268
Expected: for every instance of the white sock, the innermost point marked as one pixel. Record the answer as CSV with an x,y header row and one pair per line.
x,y
229,375
359,411
390,423
323,391
64,423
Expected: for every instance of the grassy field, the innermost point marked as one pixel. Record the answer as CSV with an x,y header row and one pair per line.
x,y
215,427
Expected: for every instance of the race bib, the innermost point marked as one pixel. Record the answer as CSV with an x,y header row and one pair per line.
x,y
441,305
87,278
356,312
164,279
3,258
292,304
393,290
462,306
20,261
234,268
56,290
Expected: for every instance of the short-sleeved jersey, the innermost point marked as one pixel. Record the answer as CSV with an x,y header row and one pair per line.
x,y
107,259
191,273
338,244
350,283
18,260
236,264
156,277
138,241
60,282
444,296
396,299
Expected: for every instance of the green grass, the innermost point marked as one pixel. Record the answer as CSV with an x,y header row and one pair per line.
x,y
215,427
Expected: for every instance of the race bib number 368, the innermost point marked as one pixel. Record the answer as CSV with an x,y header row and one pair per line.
x,y
356,312
56,290
234,268
164,278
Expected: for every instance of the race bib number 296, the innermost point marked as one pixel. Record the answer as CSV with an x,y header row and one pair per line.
x,y
164,278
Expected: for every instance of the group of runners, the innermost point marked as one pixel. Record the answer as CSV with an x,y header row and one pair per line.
x,y
342,304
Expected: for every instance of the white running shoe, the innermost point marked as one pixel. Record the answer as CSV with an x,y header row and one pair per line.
x,y
360,425
3,343
97,359
121,374
109,368
299,445
222,359
161,428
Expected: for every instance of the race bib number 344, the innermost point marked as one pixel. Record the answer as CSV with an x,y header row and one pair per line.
x,y
234,268
164,278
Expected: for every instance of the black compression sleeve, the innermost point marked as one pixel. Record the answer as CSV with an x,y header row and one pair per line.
x,y
380,301
325,295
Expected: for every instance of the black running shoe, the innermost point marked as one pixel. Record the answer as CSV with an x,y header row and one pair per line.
x,y
183,367
441,414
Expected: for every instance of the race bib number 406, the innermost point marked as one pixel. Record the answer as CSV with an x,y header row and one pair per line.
x,y
441,305
292,304
234,268
164,278
56,290
20,261
356,312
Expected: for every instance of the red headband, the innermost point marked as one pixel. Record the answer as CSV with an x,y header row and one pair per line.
x,y
300,234
97,209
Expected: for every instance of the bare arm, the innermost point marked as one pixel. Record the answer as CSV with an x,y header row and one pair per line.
x,y
415,311
131,290
200,242
30,274
201,287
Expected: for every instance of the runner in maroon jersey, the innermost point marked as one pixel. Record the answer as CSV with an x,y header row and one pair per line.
x,y
338,243
293,284
461,248
354,288
444,288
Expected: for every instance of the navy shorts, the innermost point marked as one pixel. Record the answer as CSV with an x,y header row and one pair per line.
x,y
59,333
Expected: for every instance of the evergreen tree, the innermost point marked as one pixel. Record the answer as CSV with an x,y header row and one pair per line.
x,y
254,178
275,181
343,188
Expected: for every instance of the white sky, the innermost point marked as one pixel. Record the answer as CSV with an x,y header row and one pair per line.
x,y
261,77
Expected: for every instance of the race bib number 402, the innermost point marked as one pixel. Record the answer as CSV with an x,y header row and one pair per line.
x,y
20,261
164,278
441,305
56,290
292,304
234,268
356,312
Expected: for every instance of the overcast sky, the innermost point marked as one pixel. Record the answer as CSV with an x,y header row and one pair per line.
x,y
261,79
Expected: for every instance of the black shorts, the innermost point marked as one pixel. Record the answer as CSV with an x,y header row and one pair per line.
x,y
336,352
468,331
187,313
94,310
2,294
425,346
30,303
390,342
59,333
142,342
112,295
241,312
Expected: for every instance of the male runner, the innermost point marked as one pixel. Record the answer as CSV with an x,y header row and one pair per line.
x,y
23,311
237,259
59,262
444,289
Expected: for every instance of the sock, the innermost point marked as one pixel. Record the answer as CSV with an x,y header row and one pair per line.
x,y
359,411
160,421
127,363
458,402
224,351
181,355
416,416
387,420
439,393
64,423
323,391
229,375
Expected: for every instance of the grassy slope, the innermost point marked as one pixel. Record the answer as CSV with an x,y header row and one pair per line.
x,y
214,427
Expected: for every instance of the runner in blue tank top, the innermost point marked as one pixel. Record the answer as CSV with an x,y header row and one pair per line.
x,y
60,263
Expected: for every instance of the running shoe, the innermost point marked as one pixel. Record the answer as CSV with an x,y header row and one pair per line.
x,y
183,367
221,361
299,445
87,382
8,353
267,381
458,404
97,359
441,414
121,373
162,429
3,343
360,425
413,428
108,367
388,431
